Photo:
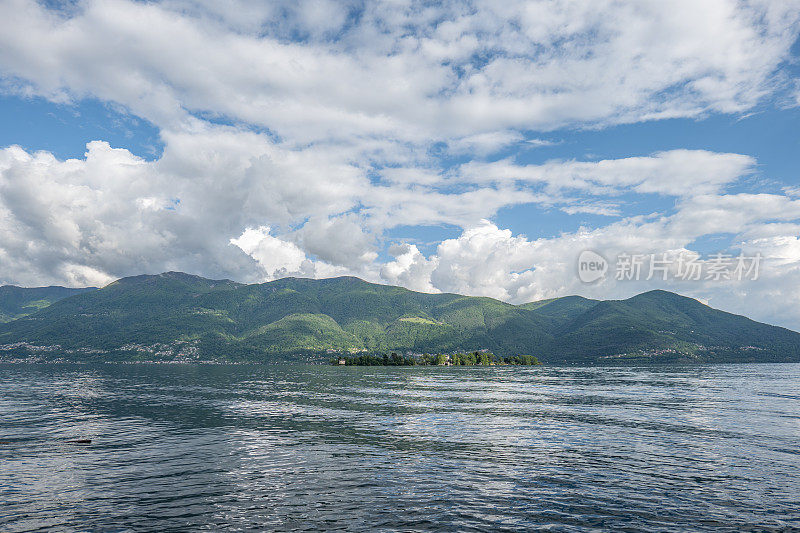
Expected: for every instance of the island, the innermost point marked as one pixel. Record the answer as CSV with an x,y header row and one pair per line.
x,y
479,358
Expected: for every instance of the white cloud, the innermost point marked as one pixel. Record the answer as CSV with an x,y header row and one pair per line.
x,y
279,258
108,214
409,269
732,213
482,144
117,214
486,261
594,208
538,143
792,191
339,240
673,173
402,71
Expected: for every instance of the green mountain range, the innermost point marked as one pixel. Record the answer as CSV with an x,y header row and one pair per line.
x,y
17,302
177,316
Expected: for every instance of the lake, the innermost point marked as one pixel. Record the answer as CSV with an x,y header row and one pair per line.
x,y
181,447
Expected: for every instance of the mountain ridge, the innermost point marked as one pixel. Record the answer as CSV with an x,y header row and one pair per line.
x,y
179,316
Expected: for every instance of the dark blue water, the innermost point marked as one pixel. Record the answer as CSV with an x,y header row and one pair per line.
x,y
450,449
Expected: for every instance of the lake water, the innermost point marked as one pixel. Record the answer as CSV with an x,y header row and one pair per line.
x,y
451,449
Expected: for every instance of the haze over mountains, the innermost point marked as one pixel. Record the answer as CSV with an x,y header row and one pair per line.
x,y
177,316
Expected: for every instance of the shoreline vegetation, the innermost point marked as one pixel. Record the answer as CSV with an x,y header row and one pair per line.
x,y
454,359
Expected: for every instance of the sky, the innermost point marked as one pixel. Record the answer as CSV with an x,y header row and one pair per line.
x,y
481,148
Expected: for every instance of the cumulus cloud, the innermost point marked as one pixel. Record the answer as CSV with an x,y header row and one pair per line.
x,y
279,258
88,220
409,268
340,240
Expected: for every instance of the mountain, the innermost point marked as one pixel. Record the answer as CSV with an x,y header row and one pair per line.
x,y
17,302
664,325
177,316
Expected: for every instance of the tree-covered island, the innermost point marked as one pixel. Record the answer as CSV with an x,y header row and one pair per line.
x,y
482,358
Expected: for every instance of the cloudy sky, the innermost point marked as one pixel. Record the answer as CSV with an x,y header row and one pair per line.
x,y
471,147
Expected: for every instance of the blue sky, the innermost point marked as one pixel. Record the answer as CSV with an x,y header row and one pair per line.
x,y
35,124
465,147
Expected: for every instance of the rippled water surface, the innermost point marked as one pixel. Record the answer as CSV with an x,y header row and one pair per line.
x,y
319,448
